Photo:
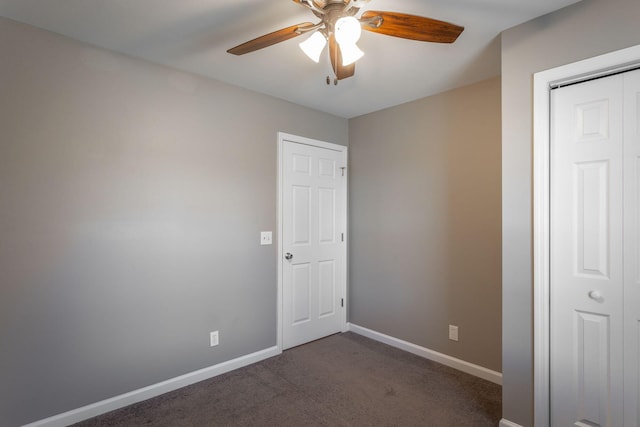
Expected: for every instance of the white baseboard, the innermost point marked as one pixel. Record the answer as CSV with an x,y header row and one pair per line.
x,y
461,365
507,423
117,402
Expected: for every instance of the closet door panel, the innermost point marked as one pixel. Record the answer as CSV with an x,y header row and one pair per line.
x,y
587,254
632,248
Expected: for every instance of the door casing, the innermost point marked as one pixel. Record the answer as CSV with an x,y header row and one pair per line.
x,y
282,137
543,82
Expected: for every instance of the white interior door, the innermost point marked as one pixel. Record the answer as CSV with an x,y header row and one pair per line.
x,y
313,245
586,265
632,247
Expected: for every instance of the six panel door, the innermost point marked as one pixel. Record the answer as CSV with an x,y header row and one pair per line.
x,y
314,212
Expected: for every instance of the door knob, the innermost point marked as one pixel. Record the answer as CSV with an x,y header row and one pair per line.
x,y
288,256
595,295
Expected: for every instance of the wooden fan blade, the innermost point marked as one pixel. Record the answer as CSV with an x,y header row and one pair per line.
x,y
342,72
320,4
412,27
269,39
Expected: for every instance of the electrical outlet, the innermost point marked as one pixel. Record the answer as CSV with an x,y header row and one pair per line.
x,y
453,333
266,237
213,339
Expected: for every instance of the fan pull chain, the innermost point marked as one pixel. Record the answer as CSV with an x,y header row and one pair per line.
x,y
335,78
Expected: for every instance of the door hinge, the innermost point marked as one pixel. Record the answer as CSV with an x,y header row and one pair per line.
x,y
342,236
343,168
342,302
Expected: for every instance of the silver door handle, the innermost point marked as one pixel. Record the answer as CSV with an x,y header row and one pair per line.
x,y
288,256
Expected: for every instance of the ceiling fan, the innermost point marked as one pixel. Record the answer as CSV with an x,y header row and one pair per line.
x,y
340,28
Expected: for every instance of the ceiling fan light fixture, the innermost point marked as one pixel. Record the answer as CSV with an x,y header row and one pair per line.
x,y
347,30
314,45
347,33
350,53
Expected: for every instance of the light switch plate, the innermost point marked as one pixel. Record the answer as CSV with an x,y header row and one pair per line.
x,y
453,333
214,338
266,237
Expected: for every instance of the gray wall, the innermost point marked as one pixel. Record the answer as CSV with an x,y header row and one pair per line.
x,y
586,29
425,222
131,201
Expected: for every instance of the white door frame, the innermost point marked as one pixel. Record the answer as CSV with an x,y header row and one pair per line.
x,y
602,65
282,137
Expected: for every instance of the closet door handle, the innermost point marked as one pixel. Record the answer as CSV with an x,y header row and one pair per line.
x,y
596,295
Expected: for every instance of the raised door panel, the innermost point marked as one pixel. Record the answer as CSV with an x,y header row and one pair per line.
x,y
592,369
327,215
592,121
327,288
301,293
301,215
327,168
592,234
301,164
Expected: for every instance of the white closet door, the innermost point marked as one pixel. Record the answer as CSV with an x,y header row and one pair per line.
x,y
632,247
587,254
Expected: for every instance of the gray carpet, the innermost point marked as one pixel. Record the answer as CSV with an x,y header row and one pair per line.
x,y
342,380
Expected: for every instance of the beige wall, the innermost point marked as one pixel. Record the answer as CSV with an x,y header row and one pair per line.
x,y
586,29
131,201
425,222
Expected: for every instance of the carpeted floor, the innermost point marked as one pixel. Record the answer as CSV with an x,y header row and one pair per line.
x,y
342,380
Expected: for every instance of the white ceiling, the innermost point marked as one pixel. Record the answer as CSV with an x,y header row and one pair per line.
x,y
193,35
